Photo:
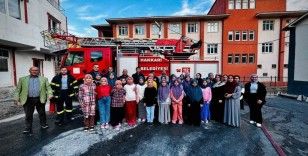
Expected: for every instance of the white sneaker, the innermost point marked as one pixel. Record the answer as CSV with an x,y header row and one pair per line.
x,y
206,121
202,121
102,126
252,122
106,126
117,128
259,125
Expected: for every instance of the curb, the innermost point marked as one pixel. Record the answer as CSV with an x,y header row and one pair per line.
x,y
273,142
288,96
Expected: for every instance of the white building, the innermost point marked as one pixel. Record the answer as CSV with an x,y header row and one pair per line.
x,y
21,43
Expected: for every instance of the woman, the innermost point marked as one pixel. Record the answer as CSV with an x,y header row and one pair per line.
x,y
164,102
130,102
86,97
104,100
117,104
195,100
217,103
140,91
172,80
199,79
111,79
177,95
232,103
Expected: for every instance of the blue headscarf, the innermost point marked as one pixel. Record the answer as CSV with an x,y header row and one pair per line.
x,y
194,92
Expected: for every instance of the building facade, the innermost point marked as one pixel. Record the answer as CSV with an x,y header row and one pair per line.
x,y
21,43
245,36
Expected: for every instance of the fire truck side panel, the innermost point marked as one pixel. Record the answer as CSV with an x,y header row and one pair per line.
x,y
129,62
193,67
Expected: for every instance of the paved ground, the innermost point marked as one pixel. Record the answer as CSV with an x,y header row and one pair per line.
x,y
286,120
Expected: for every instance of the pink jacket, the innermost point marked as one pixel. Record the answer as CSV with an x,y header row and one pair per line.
x,y
207,94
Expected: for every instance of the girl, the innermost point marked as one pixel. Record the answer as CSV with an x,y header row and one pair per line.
x,y
123,81
130,102
103,96
140,91
111,79
232,103
207,97
86,99
150,94
195,99
117,103
177,95
164,102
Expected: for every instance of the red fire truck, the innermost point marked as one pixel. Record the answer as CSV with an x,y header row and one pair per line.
x,y
171,55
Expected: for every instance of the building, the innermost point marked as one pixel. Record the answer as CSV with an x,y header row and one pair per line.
x,y
21,43
298,56
239,34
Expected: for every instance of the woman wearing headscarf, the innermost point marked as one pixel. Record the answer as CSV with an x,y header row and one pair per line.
x,y
164,102
186,85
195,100
217,103
232,103
177,95
172,80
199,79
140,91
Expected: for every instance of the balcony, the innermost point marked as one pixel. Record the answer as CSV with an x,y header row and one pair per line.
x,y
56,4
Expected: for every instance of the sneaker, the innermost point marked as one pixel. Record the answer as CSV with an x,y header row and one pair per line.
x,y
106,126
91,128
252,122
26,131
45,126
259,125
202,121
180,122
206,121
86,129
117,128
143,120
139,120
102,126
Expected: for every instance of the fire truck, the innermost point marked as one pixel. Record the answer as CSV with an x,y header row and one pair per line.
x,y
79,54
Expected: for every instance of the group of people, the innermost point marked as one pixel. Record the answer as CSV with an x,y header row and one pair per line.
x,y
108,100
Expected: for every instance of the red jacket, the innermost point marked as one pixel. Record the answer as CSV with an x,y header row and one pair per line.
x,y
103,91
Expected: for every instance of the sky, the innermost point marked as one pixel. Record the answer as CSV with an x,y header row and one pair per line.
x,y
81,14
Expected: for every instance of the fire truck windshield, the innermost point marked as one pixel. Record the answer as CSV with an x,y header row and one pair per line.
x,y
74,58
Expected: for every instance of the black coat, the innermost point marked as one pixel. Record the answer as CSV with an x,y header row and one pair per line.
x,y
72,85
261,92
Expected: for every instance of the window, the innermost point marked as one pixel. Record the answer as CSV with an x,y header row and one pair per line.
x,y
245,4
230,58
2,6
252,4
244,35
268,25
238,4
285,65
251,35
274,66
231,4
123,30
96,56
14,8
139,29
174,28
212,27
251,58
267,47
74,58
237,36
192,27
237,58
244,58
212,48
155,29
259,66
264,74
4,56
230,35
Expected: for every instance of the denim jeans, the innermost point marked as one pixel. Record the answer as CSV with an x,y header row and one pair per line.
x,y
150,113
104,109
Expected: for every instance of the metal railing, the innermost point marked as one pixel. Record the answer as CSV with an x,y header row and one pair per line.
x,y
269,80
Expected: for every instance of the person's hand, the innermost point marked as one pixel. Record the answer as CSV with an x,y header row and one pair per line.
x,y
201,105
220,101
259,101
188,105
50,97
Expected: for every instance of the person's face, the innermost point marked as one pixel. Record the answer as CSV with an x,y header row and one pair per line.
x,y
138,70
95,67
225,78
211,75
88,79
150,83
118,85
98,77
197,76
34,71
123,81
63,71
111,76
217,78
173,78
208,80
130,81
187,78
141,81
236,79
254,78
124,72
164,78
103,81
204,83
176,83
110,69
230,78
195,84
164,83
151,75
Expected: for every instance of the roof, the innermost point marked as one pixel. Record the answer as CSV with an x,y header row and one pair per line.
x,y
295,22
279,14
100,25
167,18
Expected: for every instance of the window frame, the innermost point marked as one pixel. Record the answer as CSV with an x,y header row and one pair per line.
x,y
230,59
246,58
268,25
96,52
237,34
244,38
245,2
253,35
4,7
238,4
123,29
267,47
212,27
154,31
72,61
253,57
18,7
237,59
252,3
212,49
231,3
4,55
172,28
141,27
230,34
192,27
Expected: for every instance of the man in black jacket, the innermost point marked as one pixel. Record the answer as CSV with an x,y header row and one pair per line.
x,y
137,75
254,95
64,88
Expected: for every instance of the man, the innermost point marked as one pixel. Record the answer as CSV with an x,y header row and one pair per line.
x,y
124,74
164,74
32,92
96,74
254,95
64,88
155,78
212,79
137,75
110,71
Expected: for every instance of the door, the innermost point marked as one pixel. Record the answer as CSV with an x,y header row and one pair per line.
x,y
39,63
